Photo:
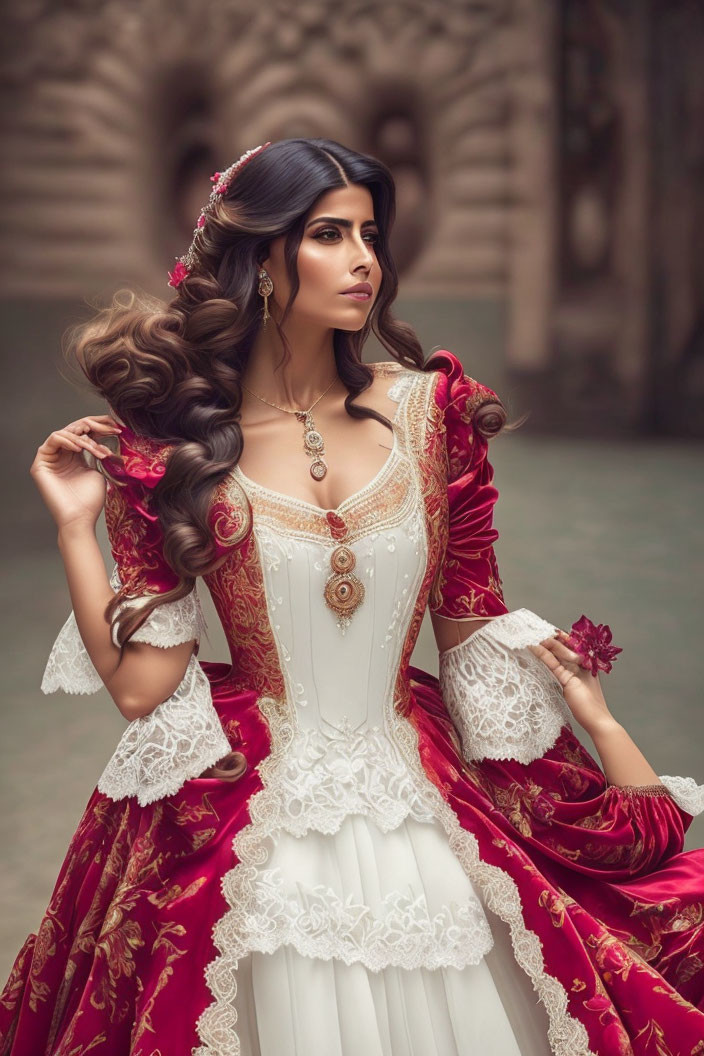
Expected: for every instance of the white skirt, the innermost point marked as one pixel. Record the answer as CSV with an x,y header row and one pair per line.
x,y
371,943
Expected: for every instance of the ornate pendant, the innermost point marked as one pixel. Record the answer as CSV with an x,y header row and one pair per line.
x,y
344,591
313,445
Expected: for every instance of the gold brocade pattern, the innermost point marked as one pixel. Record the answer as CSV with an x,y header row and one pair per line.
x,y
128,535
238,593
382,504
151,454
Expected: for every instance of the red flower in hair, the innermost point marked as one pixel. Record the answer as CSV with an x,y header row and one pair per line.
x,y
593,643
179,273
201,220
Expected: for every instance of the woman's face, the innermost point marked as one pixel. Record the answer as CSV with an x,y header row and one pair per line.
x,y
337,251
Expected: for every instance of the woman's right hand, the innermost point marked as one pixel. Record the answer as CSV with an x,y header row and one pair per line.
x,y
72,491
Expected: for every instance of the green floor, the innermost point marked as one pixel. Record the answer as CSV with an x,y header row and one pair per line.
x,y
612,531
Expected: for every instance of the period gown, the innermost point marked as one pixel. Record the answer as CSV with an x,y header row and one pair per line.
x,y
410,865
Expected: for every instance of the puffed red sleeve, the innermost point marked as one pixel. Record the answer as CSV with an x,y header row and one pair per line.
x,y
467,584
135,535
134,531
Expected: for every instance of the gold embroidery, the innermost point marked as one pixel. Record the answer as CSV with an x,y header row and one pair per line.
x,y
126,532
231,513
238,593
155,451
185,813
652,1034
165,939
67,1042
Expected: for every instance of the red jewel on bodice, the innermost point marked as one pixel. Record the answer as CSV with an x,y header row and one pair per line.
x,y
338,528
344,591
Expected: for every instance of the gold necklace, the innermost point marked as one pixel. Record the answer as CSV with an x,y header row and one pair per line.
x,y
344,591
313,443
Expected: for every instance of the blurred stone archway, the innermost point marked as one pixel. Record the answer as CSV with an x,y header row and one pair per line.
x,y
547,158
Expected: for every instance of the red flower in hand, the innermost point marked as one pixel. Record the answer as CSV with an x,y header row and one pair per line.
x,y
179,273
593,643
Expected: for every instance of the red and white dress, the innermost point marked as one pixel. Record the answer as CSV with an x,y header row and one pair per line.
x,y
410,866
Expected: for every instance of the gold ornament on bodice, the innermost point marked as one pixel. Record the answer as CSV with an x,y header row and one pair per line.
x,y
344,591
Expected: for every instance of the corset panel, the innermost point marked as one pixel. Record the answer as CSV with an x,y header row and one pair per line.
x,y
340,673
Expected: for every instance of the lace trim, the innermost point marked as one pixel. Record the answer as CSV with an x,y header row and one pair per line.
x,y
398,389
320,781
502,699
401,933
70,667
177,741
687,794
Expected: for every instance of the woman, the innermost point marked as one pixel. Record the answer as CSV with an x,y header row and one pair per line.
x,y
318,848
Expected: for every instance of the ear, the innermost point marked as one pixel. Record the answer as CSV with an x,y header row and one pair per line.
x,y
264,262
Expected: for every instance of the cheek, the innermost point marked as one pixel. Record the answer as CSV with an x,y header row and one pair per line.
x,y
314,267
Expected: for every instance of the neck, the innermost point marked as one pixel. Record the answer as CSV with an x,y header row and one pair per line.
x,y
308,372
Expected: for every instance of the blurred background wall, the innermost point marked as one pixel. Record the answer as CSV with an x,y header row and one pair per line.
x,y
548,159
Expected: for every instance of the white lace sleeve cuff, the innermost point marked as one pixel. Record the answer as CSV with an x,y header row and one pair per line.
x,y
504,702
177,741
69,666
685,791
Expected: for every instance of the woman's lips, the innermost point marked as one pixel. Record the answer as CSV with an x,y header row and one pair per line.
x,y
358,296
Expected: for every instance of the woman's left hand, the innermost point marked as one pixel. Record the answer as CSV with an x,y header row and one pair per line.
x,y
582,689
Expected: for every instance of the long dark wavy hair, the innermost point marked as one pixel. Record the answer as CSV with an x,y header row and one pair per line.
x,y
172,371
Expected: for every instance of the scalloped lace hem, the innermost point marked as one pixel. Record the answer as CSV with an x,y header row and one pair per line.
x,y
322,780
177,741
400,932
502,699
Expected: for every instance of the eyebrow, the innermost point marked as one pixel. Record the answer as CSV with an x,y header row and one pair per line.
x,y
339,220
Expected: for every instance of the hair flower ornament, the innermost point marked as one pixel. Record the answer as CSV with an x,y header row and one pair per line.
x,y
222,181
179,273
593,643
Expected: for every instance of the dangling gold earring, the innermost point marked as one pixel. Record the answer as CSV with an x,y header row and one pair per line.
x,y
266,288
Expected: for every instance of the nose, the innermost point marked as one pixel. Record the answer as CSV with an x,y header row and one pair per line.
x,y
363,255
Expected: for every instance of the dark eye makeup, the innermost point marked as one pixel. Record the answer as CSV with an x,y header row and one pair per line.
x,y
333,230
